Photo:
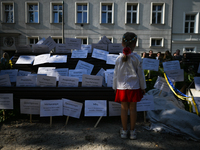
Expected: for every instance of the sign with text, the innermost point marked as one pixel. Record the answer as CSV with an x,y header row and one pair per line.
x,y
115,48
26,81
45,70
39,49
72,43
91,81
23,49
100,54
30,106
25,59
95,108
46,81
84,65
150,64
86,47
50,43
12,74
65,81
175,75
171,65
102,74
104,40
146,103
111,59
61,48
72,108
5,80
79,54
51,108
99,46
110,80
6,101
59,72
23,73
161,84
114,109
77,73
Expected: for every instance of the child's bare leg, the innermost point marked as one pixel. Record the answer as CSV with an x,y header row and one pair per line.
x,y
133,115
124,114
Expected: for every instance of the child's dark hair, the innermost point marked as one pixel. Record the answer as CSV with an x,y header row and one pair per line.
x,y
128,39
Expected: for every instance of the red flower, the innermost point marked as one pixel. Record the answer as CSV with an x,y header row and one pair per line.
x,y
126,51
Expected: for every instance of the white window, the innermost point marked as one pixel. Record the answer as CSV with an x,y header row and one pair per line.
x,y
56,12
191,23
189,49
156,42
132,13
106,12
81,12
32,12
32,40
157,13
84,39
7,12
57,39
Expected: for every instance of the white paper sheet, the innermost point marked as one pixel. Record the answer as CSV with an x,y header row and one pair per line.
x,y
111,59
26,81
72,43
51,108
197,83
59,72
107,72
100,54
77,73
110,80
40,49
23,73
91,81
65,81
5,80
102,73
104,40
85,65
61,48
23,49
79,54
57,59
114,109
115,48
12,74
171,65
6,101
176,75
45,70
30,106
161,84
72,108
41,59
150,64
99,46
86,47
41,41
50,43
25,59
46,81
95,108
146,103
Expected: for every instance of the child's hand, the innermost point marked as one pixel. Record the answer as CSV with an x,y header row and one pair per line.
x,y
143,91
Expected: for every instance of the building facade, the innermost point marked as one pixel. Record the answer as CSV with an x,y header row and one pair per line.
x,y
185,29
26,22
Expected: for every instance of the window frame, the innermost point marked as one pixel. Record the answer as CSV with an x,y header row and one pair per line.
x,y
3,18
137,11
194,47
27,11
76,9
162,15
57,37
113,8
51,10
196,22
31,37
83,37
157,38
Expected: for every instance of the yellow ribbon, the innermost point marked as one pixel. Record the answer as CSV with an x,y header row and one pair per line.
x,y
183,97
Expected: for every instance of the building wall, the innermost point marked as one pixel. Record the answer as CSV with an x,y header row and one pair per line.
x,y
94,30
179,38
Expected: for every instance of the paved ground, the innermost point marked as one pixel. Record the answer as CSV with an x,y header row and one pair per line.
x,y
81,134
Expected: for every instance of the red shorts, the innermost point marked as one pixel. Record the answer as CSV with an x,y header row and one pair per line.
x,y
128,95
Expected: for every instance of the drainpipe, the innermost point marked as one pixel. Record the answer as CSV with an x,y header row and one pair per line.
x,y
172,10
63,23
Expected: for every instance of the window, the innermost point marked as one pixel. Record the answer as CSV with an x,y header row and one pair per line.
x,y
107,13
84,39
32,40
58,40
32,12
132,13
156,42
82,12
189,50
108,37
189,23
157,13
56,12
7,12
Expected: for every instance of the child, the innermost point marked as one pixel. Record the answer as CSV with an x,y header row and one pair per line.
x,y
129,83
